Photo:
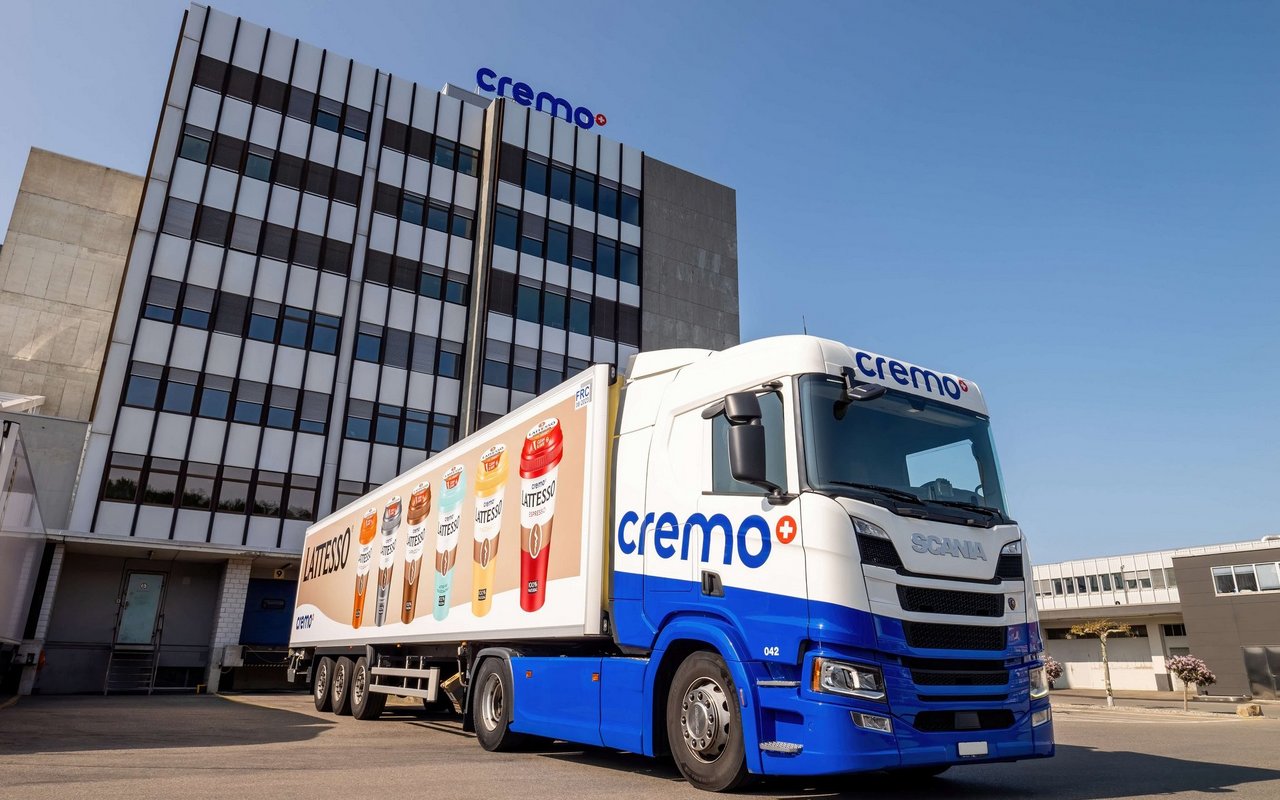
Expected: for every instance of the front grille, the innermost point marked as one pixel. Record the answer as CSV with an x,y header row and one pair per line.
x,y
962,698
945,601
1009,567
879,552
936,636
956,672
986,720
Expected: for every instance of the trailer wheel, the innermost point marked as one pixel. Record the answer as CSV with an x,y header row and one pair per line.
x,y
704,724
491,708
320,687
364,703
341,691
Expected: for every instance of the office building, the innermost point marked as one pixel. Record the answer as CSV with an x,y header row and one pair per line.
x,y
336,272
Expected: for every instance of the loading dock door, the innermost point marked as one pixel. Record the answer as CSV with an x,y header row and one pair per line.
x,y
141,606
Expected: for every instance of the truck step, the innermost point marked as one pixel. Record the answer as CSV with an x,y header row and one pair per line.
x,y
785,748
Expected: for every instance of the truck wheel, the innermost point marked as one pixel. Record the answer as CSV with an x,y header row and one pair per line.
x,y
320,688
364,703
704,724
341,691
491,708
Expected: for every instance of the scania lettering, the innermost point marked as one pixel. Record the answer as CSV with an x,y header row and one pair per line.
x,y
791,557
523,94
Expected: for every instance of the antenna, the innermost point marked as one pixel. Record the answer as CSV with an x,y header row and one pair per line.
x,y
804,325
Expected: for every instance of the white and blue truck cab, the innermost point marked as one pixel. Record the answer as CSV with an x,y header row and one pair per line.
x,y
806,567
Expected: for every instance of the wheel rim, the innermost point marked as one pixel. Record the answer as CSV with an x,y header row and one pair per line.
x,y
322,679
357,685
339,683
704,719
491,702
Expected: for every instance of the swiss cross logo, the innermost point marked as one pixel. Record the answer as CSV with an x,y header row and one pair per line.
x,y
786,530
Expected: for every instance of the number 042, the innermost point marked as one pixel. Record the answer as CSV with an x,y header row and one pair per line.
x,y
771,651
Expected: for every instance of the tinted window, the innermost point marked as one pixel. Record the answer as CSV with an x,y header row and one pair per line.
x,y
504,227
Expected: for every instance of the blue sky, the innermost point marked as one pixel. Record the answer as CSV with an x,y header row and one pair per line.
x,y
1075,204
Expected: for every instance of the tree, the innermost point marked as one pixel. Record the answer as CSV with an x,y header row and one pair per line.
x,y
1052,669
1102,628
1190,670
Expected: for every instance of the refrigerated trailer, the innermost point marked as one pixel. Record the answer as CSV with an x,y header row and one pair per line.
x,y
791,557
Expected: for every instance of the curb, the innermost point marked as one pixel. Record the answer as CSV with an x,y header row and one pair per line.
x,y
1143,709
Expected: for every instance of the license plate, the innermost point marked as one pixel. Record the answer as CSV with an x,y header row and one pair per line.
x,y
970,749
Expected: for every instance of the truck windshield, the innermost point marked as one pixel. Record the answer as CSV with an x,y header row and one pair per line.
x,y
901,447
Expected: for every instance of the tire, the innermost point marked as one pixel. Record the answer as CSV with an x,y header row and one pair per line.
x,y
320,684
921,773
704,724
491,708
364,703
341,689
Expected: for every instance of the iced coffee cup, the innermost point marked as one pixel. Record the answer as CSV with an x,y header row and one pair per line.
x,y
419,508
539,466
387,558
364,560
454,487
491,479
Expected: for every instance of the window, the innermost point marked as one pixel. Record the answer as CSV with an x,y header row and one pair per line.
x,y
162,482
557,243
180,390
443,430
1246,578
198,486
293,327
404,274
319,179
505,225
468,160
775,448
263,320
553,310
289,170
369,342
1093,583
1268,576
272,94
607,201
348,492
258,163
411,207
215,397
395,135
250,396
630,207
455,291
346,187
302,498
395,348
444,154
214,226
233,489
324,333
124,474
268,494
424,354
584,191
337,257
228,152
450,359
195,144
583,249
462,225
179,218
277,242
419,143
1223,580
240,84
628,264
162,299
606,258
528,298
1176,629
386,428
197,307
495,373
1057,586
531,235
535,175
245,234
510,164
430,283
210,73
315,413
356,124
1106,582
602,323
628,325
283,407
552,371
144,385
524,369
359,420
1080,585
328,114
416,426
561,184
438,218
502,292
377,267
230,314
579,316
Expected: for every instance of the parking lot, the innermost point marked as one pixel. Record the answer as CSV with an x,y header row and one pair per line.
x,y
277,746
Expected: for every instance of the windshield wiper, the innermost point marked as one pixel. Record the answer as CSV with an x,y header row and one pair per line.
x,y
994,512
896,494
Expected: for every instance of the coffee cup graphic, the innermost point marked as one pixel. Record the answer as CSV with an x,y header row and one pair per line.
x,y
364,560
419,509
539,468
387,558
491,479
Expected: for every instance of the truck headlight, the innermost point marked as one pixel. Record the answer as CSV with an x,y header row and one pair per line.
x,y
1013,548
864,528
1039,683
851,680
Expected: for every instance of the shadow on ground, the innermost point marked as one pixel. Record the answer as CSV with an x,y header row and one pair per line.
x,y
80,723
1076,773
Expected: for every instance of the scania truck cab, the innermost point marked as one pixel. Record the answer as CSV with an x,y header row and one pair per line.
x,y
832,523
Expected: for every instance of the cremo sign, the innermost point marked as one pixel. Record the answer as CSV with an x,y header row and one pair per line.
x,y
523,94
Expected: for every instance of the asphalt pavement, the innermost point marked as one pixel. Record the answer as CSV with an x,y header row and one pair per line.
x,y
277,746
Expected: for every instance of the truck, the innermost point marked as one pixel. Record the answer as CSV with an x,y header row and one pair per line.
x,y
789,557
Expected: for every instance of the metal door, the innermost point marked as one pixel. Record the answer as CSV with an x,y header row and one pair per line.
x,y
140,608
1262,666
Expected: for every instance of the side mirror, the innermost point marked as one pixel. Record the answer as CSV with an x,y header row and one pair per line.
x,y
742,408
747,462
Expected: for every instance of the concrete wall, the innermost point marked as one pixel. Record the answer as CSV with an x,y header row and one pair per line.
x,y
1219,626
54,447
689,284
60,272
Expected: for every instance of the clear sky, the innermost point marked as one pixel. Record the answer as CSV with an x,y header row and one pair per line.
x,y
1076,204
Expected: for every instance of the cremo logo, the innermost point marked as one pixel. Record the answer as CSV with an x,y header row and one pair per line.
x,y
670,538
523,94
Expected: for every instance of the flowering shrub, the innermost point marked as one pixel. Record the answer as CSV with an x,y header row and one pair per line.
x,y
1052,669
1191,671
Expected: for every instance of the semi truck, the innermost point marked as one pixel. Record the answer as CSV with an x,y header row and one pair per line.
x,y
790,557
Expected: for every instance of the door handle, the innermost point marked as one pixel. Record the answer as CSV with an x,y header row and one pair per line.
x,y
711,584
